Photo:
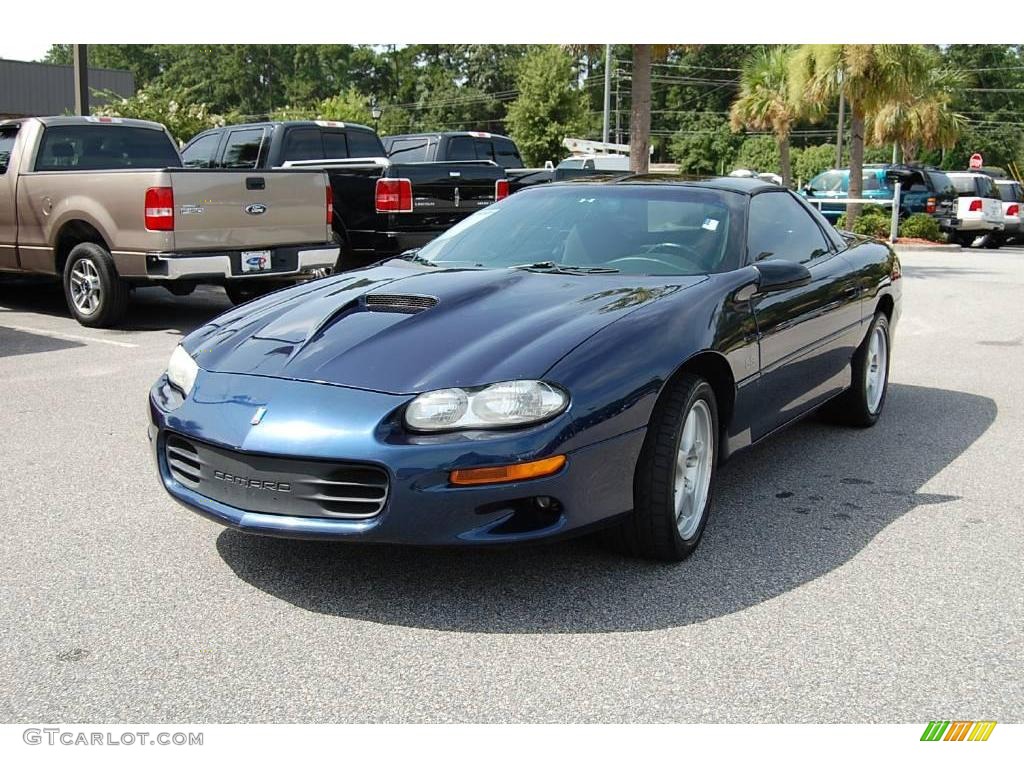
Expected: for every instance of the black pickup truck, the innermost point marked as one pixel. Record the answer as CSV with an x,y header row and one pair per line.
x,y
382,206
460,146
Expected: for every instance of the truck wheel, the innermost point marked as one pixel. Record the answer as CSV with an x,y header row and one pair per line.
x,y
241,291
964,239
180,288
993,240
96,295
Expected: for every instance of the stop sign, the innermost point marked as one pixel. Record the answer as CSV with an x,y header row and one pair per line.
x,y
976,161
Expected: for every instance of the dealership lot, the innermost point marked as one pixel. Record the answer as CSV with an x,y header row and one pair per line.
x,y
844,576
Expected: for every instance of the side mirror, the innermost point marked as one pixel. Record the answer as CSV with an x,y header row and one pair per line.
x,y
779,275
806,189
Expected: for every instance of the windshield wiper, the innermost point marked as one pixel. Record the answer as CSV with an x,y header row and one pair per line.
x,y
413,254
568,269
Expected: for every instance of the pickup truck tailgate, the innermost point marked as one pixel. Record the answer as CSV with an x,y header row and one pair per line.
x,y
229,210
451,187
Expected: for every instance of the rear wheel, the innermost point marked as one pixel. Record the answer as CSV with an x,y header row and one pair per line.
x,y
993,240
862,403
964,239
674,476
96,295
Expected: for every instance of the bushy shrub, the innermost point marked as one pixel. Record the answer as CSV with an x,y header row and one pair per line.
x,y
922,226
874,221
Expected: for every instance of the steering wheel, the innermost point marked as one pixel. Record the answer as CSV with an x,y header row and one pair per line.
x,y
673,268
686,251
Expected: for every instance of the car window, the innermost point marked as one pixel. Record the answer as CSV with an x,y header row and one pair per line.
x,y
780,228
829,181
872,180
8,135
243,148
483,148
461,148
364,144
335,146
987,187
1010,193
410,150
571,163
104,147
964,184
642,229
303,144
201,152
942,183
506,155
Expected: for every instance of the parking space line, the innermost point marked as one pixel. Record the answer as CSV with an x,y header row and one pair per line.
x,y
71,336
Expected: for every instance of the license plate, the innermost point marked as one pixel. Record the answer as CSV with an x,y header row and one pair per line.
x,y
255,261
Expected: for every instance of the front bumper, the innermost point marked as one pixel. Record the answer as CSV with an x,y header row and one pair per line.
x,y
286,261
316,422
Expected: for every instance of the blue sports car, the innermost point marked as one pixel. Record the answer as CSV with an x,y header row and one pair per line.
x,y
579,355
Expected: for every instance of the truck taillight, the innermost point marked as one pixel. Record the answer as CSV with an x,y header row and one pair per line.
x,y
975,205
330,205
394,196
929,207
160,209
500,189
1013,210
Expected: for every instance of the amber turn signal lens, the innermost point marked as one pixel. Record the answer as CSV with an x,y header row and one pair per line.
x,y
509,473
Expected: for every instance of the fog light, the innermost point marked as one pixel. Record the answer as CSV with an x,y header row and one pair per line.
x,y
508,473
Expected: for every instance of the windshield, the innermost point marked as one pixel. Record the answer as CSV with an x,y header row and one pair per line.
x,y
829,181
634,229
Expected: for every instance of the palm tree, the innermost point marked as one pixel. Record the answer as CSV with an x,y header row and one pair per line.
x,y
640,100
765,103
922,117
868,76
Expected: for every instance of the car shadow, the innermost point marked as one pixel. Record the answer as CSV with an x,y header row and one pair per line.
x,y
149,309
788,511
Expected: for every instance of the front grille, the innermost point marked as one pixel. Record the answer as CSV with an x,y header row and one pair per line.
x,y
385,302
277,485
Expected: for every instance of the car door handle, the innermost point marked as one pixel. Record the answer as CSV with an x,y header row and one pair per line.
x,y
255,182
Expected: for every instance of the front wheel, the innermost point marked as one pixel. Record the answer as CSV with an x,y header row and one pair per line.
x,y
95,293
675,475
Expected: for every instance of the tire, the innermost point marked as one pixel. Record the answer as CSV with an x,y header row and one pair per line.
x,y
97,297
862,404
964,239
993,240
659,526
180,288
242,291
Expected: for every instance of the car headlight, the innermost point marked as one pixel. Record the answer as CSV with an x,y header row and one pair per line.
x,y
505,404
182,370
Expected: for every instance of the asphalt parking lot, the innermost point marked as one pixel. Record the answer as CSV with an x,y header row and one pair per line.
x,y
867,576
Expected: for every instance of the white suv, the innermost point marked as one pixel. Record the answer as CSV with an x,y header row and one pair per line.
x,y
1013,198
979,208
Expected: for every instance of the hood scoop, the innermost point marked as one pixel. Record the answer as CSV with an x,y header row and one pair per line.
x,y
408,304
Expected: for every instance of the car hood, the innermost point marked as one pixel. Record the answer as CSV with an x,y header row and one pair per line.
x,y
354,329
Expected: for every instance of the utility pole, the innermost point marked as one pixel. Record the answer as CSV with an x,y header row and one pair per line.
x,y
80,58
607,92
618,132
839,133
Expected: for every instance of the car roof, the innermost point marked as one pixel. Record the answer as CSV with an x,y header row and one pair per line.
x,y
723,183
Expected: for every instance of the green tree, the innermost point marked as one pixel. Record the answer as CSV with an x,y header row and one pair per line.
x,y
758,153
182,115
548,107
764,102
868,76
704,145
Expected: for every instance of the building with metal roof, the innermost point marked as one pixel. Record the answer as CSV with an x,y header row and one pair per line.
x,y
30,88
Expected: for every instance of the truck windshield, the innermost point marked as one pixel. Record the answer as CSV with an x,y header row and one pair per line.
x,y
104,147
641,230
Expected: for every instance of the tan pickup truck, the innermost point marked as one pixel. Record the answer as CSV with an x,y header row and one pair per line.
x,y
104,204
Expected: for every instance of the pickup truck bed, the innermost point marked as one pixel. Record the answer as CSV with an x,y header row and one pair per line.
x,y
74,182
